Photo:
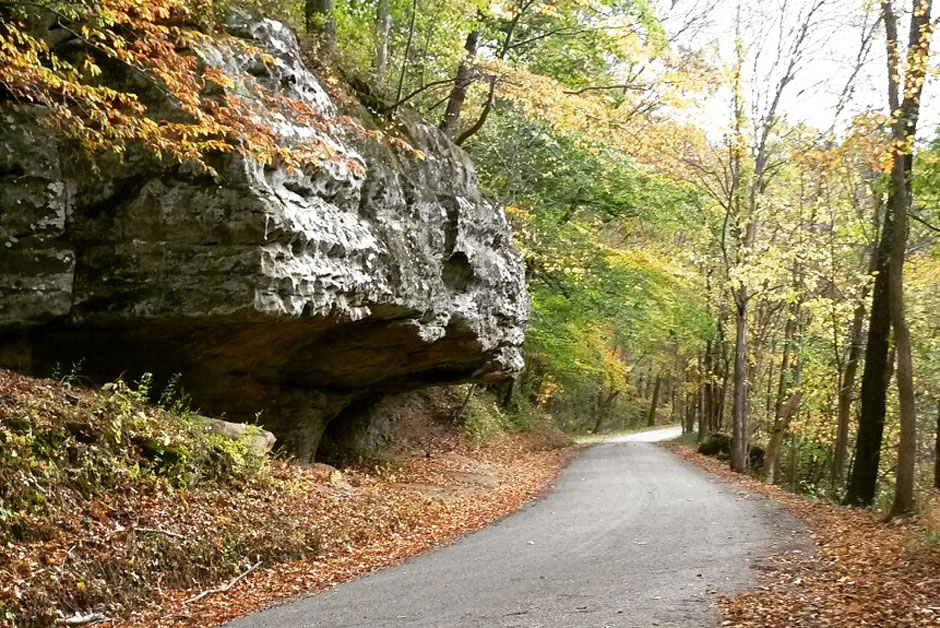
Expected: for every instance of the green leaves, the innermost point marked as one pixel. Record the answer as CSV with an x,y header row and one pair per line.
x,y
598,233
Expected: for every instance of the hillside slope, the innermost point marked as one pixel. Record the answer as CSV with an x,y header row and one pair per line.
x,y
113,507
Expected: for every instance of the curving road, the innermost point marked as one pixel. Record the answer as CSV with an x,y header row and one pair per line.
x,y
630,537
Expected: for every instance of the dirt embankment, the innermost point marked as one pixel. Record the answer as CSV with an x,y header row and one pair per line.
x,y
113,508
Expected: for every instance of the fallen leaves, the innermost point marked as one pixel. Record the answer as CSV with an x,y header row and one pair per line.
x,y
519,464
865,571
145,554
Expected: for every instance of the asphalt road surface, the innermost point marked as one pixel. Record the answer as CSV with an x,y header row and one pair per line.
x,y
629,537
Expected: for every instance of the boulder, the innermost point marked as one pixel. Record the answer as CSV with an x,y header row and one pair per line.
x,y
718,445
261,441
278,294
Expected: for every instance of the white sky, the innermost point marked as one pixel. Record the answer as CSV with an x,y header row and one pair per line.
x,y
831,51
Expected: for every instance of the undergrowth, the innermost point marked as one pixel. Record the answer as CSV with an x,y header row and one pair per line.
x,y
110,472
484,418
111,505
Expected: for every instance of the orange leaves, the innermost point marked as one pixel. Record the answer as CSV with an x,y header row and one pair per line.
x,y
136,549
372,519
865,572
153,44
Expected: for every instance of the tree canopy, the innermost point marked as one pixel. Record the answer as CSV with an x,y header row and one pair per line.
x,y
722,204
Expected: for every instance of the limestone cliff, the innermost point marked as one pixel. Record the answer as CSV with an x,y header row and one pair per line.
x,y
292,294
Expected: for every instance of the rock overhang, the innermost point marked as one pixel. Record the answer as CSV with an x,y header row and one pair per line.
x,y
285,292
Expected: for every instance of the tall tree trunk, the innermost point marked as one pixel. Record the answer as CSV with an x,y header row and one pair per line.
x,y
700,398
936,452
864,477
458,94
739,432
383,22
654,402
779,430
784,365
673,398
722,392
904,373
784,408
899,198
319,19
844,411
705,420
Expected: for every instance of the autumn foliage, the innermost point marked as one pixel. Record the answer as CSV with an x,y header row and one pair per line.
x,y
862,571
111,505
116,74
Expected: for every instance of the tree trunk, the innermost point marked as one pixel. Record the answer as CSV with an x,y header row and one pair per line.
x,y
674,400
407,54
784,410
899,199
383,22
651,417
904,373
720,394
784,365
778,433
705,420
844,411
794,466
864,477
319,19
700,399
936,452
739,444
458,94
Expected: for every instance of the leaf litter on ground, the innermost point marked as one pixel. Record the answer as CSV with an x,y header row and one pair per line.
x,y
865,571
100,531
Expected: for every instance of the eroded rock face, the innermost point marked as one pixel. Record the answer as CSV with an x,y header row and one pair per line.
x,y
285,293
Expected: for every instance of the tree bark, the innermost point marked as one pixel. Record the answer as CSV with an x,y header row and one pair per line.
x,y
705,420
864,477
654,402
936,452
319,20
458,94
700,399
784,408
899,199
794,463
383,22
739,432
779,432
844,410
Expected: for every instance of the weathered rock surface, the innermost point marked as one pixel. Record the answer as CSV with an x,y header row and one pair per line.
x,y
260,441
292,294
396,424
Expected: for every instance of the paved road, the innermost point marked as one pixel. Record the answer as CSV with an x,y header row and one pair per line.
x,y
649,436
630,537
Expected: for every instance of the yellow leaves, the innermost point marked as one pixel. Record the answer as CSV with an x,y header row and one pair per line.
x,y
548,390
137,35
90,68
